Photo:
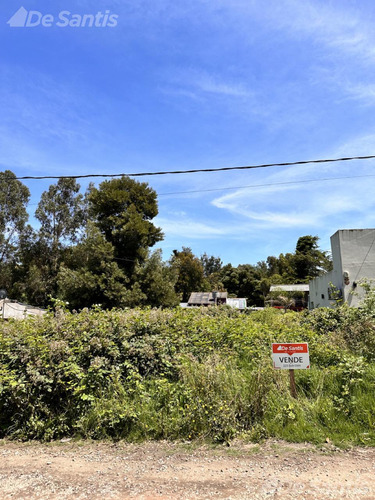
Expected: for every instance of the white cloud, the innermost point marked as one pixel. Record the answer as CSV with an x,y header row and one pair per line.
x,y
310,205
211,84
364,92
200,84
185,227
337,26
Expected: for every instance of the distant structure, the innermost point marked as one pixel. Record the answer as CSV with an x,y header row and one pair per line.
x,y
353,256
197,299
16,310
207,298
299,294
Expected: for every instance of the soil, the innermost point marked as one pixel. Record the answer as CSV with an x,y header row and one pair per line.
x,y
85,470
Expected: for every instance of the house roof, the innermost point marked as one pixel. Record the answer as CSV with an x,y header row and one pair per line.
x,y
205,298
290,288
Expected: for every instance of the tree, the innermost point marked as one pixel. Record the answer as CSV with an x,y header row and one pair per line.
x,y
309,261
90,274
242,281
283,266
123,209
60,212
157,282
61,215
210,264
14,197
112,265
32,273
190,272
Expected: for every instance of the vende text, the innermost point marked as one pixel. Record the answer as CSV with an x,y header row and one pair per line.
x,y
291,359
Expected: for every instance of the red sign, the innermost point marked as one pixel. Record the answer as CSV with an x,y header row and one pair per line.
x,y
291,356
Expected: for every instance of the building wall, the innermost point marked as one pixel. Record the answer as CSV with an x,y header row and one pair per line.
x,y
319,295
353,255
237,303
357,248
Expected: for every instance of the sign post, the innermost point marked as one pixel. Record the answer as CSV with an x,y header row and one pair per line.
x,y
293,388
291,357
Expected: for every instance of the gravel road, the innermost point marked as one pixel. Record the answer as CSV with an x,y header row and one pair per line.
x,y
86,470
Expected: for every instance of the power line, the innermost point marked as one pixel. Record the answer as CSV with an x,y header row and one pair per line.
x,y
306,181
266,185
194,171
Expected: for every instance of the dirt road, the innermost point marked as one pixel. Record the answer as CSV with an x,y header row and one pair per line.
x,y
179,471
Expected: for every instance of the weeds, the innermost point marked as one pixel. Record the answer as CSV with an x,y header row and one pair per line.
x,y
187,374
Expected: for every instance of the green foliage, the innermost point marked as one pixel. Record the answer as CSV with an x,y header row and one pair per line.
x,y
240,281
190,273
96,249
14,197
107,261
182,374
157,282
61,216
60,212
308,260
123,210
211,264
91,275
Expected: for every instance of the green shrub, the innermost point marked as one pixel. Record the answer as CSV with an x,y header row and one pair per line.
x,y
186,374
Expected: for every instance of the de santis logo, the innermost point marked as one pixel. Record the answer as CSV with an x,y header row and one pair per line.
x,y
32,18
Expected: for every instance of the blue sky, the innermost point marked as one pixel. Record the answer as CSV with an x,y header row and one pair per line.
x,y
199,84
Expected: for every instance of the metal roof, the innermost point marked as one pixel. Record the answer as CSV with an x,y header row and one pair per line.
x,y
290,288
206,298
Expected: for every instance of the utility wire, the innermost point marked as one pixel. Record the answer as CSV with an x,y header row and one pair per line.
x,y
267,185
194,171
306,181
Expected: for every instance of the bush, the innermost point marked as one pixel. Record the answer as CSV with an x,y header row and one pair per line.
x,y
185,374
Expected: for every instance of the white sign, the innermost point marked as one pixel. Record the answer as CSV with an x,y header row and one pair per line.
x,y
291,356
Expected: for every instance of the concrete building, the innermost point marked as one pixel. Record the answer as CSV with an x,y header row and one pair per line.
x,y
353,256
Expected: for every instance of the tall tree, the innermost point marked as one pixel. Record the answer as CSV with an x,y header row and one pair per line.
x,y
14,197
243,282
60,212
123,210
90,275
157,281
61,215
210,264
31,274
283,267
190,272
309,261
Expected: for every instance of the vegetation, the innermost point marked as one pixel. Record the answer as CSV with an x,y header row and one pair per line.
x,y
115,372
96,249
188,374
89,249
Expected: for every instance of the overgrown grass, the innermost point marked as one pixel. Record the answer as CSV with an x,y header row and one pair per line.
x,y
187,374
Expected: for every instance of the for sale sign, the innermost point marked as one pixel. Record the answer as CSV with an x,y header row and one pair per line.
x,y
291,356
